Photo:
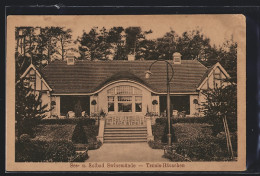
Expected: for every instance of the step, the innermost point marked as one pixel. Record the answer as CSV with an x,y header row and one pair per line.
x,y
125,129
122,126
124,141
125,135
125,132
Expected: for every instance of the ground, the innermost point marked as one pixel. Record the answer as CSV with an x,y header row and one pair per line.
x,y
128,152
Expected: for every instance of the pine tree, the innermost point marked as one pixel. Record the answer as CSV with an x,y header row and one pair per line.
x,y
79,135
28,108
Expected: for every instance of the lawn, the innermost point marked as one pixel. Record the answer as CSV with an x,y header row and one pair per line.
x,y
54,132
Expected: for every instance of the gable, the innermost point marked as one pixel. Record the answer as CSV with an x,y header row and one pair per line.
x,y
35,79
214,77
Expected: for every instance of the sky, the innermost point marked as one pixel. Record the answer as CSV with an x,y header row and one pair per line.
x,y
216,27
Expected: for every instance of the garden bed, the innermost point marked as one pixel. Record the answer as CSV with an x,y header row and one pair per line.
x,y
194,141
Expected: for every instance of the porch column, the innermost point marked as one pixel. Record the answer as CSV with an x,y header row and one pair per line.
x,y
58,105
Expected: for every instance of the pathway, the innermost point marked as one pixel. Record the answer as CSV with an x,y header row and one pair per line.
x,y
128,152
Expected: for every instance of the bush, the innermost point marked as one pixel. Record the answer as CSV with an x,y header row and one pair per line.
x,y
79,135
94,145
81,157
84,121
204,149
44,151
24,138
91,132
60,151
155,144
163,120
166,132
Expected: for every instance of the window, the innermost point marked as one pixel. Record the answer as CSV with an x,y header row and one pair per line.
x,y
111,106
124,90
138,104
124,104
124,98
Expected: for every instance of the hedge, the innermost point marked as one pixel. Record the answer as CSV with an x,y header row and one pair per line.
x,y
44,151
164,120
83,121
207,148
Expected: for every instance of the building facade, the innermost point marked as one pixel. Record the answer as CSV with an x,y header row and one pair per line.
x,y
119,88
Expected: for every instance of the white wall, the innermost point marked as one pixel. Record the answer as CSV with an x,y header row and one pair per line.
x,y
193,107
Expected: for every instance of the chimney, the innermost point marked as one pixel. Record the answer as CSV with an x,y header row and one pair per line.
x,y
176,58
70,59
131,57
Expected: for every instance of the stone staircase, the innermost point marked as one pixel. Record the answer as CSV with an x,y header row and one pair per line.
x,y
125,134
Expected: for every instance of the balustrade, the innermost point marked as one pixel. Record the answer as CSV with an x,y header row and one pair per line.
x,y
126,120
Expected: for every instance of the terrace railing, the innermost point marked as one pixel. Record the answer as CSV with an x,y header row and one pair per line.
x,y
126,120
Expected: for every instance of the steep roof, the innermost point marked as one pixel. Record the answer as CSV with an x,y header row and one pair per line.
x,y
89,76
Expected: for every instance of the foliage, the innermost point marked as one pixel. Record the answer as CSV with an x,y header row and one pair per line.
x,y
43,151
166,132
38,43
78,109
80,157
220,102
94,145
206,148
83,120
160,130
155,144
28,108
79,135
91,132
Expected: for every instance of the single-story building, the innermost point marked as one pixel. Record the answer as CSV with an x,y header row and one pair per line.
x,y
120,88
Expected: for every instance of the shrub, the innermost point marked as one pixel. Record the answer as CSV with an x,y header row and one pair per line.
x,y
203,149
79,135
30,151
164,120
161,121
24,138
94,145
155,144
44,151
81,157
60,151
84,121
91,132
166,132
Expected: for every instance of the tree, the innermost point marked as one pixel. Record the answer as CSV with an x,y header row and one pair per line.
x,y
79,136
28,108
166,46
64,39
193,45
78,109
94,45
221,101
116,38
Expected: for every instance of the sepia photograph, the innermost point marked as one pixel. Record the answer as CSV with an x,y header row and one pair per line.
x,y
126,93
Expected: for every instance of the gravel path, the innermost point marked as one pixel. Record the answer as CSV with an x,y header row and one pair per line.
x,y
130,152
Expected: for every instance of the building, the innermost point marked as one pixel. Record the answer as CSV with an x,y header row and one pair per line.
x,y
120,89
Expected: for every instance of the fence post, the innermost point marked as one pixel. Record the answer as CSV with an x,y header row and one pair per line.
x,y
101,130
150,136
